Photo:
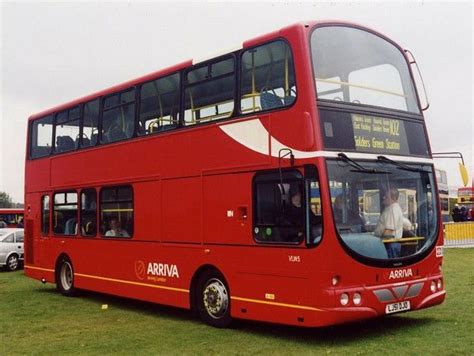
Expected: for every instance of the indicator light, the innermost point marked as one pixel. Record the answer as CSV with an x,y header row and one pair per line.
x,y
335,280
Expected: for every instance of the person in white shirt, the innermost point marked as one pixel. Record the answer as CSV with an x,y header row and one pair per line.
x,y
391,222
116,230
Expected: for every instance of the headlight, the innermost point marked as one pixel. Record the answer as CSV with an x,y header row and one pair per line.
x,y
433,286
440,284
357,298
344,299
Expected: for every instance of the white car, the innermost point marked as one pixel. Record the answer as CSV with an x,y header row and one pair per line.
x,y
11,248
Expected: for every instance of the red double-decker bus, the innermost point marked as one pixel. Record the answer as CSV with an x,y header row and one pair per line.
x,y
251,185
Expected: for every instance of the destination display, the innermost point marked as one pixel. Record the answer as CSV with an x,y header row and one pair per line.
x,y
380,135
345,131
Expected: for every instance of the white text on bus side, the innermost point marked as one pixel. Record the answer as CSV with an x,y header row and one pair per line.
x,y
162,269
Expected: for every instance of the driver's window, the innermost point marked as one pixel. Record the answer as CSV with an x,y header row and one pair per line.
x,y
314,212
283,202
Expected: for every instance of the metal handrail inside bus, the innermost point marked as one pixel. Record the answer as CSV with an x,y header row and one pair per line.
x,y
360,86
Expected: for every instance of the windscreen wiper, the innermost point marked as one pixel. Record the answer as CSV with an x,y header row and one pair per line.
x,y
358,167
400,165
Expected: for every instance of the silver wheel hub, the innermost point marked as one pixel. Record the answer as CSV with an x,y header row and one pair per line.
x,y
66,276
216,299
13,262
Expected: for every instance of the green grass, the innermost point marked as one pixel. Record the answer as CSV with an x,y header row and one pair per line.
x,y
35,319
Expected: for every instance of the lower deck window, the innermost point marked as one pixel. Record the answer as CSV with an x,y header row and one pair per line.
x,y
45,214
116,211
65,213
88,212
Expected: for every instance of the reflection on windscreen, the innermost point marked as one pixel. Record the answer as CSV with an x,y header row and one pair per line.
x,y
356,66
383,215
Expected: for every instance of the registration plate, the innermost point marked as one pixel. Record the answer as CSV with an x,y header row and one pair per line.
x,y
397,307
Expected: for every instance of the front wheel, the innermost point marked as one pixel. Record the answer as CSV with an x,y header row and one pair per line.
x,y
12,263
65,277
214,300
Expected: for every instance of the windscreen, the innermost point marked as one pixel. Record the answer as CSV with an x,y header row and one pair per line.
x,y
383,211
358,67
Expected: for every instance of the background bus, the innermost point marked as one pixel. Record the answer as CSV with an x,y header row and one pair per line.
x,y
207,185
11,216
466,200
443,190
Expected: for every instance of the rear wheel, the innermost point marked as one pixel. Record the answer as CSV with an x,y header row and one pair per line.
x,y
12,262
213,300
65,277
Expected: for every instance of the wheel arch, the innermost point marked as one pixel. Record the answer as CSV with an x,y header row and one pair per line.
x,y
194,283
10,254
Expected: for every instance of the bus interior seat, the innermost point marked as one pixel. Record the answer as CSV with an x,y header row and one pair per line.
x,y
115,134
93,139
40,151
64,143
288,100
89,226
68,143
70,226
85,142
130,127
167,127
270,100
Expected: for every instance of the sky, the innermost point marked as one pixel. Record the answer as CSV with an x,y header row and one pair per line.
x,y
53,52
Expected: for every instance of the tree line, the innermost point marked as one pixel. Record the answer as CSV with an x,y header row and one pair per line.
x,y
6,201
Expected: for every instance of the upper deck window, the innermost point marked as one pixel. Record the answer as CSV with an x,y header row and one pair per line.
x,y
41,137
159,105
90,125
358,67
209,92
267,78
67,130
118,121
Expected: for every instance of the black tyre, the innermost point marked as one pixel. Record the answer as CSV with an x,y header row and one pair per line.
x,y
65,277
213,299
12,263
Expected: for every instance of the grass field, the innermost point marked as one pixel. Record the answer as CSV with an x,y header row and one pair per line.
x,y
34,318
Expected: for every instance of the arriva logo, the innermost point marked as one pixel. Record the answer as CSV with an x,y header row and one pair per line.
x,y
162,270
400,273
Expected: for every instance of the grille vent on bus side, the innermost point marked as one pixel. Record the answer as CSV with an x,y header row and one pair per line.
x,y
29,243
